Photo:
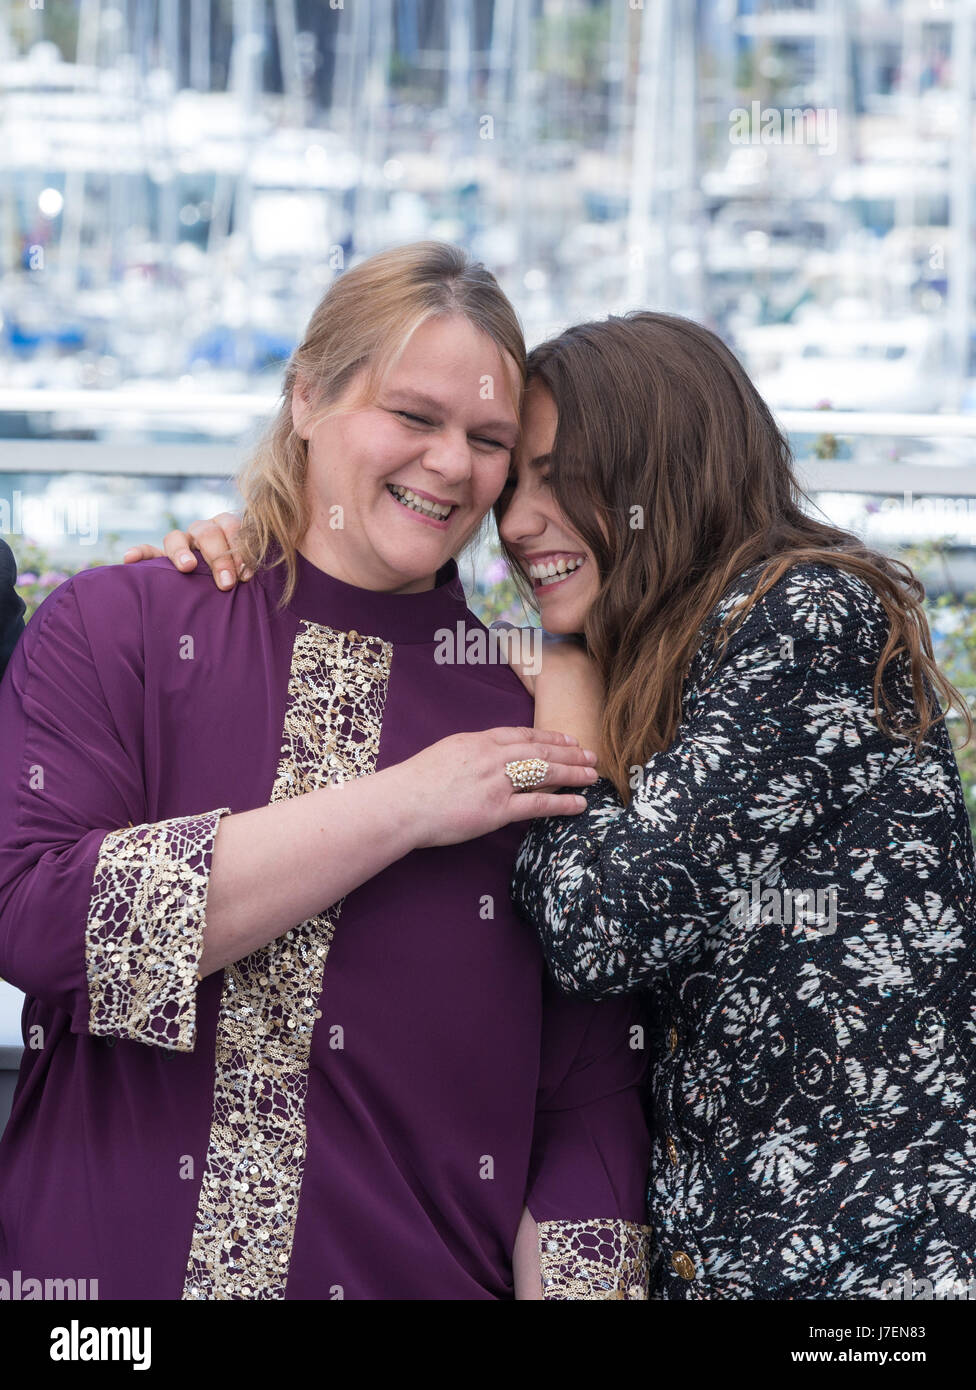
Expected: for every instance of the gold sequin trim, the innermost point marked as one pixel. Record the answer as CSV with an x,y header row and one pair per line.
x,y
594,1260
248,1205
144,935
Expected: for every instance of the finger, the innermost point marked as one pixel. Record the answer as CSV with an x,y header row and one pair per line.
x,y
141,552
213,544
570,754
563,776
559,776
231,524
530,805
527,735
177,546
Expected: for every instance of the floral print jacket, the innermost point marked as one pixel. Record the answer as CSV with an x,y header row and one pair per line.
x,y
794,893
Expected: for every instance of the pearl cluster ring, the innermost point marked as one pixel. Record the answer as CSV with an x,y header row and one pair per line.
x,y
527,773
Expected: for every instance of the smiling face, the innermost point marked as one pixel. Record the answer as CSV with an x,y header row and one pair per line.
x,y
397,487
561,568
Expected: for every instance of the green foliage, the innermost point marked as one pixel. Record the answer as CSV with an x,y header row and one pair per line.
x,y
952,618
39,575
573,46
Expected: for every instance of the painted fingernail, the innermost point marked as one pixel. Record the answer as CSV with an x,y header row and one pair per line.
x,y
589,755
245,574
186,558
225,579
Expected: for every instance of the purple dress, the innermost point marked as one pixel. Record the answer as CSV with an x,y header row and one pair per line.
x,y
360,1109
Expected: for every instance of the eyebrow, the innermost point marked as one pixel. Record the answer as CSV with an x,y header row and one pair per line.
x,y
428,402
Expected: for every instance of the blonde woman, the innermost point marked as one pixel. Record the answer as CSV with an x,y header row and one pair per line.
x,y
284,1035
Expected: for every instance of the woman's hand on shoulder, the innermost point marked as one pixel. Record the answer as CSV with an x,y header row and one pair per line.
x,y
213,538
458,789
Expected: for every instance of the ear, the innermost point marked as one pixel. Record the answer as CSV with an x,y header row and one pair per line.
x,y
301,409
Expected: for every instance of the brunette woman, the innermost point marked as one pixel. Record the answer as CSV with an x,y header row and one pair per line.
x,y
778,856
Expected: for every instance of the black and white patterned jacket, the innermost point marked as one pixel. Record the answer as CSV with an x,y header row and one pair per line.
x,y
812,1059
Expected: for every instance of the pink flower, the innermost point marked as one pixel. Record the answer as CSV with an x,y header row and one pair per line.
x,y
497,571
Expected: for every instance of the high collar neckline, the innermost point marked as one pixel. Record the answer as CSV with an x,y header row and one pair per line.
x,y
321,598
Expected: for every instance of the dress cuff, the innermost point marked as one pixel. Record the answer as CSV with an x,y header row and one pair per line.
x,y
594,1260
144,936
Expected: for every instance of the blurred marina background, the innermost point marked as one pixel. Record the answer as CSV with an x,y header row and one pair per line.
x,y
181,179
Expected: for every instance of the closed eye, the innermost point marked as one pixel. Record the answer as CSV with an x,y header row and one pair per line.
x,y
429,424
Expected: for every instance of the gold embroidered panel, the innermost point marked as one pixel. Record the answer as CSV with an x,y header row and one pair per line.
x,y
144,935
594,1260
248,1204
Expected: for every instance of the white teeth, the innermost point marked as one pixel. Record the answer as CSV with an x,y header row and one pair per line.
x,y
419,504
550,571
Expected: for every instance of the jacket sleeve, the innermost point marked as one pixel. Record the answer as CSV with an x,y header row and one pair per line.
x,y
12,606
777,740
588,1173
101,912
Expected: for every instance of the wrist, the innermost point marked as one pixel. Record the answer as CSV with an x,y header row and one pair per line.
x,y
402,786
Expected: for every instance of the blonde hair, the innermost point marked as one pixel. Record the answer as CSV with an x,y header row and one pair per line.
x,y
363,323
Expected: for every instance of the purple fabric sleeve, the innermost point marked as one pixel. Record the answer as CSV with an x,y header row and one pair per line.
x,y
97,919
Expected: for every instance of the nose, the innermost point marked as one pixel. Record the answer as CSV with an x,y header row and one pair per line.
x,y
521,520
449,456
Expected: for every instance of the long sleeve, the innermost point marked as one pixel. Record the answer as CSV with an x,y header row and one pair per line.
x,y
588,1174
12,606
777,741
102,913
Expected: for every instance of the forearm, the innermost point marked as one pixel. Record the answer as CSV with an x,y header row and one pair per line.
x,y
278,865
574,706
525,1260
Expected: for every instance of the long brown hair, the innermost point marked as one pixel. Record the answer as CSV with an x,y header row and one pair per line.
x,y
669,466
363,322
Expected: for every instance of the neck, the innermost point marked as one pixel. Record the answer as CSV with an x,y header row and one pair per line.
x,y
323,556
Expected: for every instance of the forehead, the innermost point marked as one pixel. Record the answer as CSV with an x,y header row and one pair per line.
x,y
458,366
539,420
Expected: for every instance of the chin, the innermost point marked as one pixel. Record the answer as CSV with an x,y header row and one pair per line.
x,y
562,624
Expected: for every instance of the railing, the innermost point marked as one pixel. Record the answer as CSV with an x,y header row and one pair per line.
x,y
207,458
